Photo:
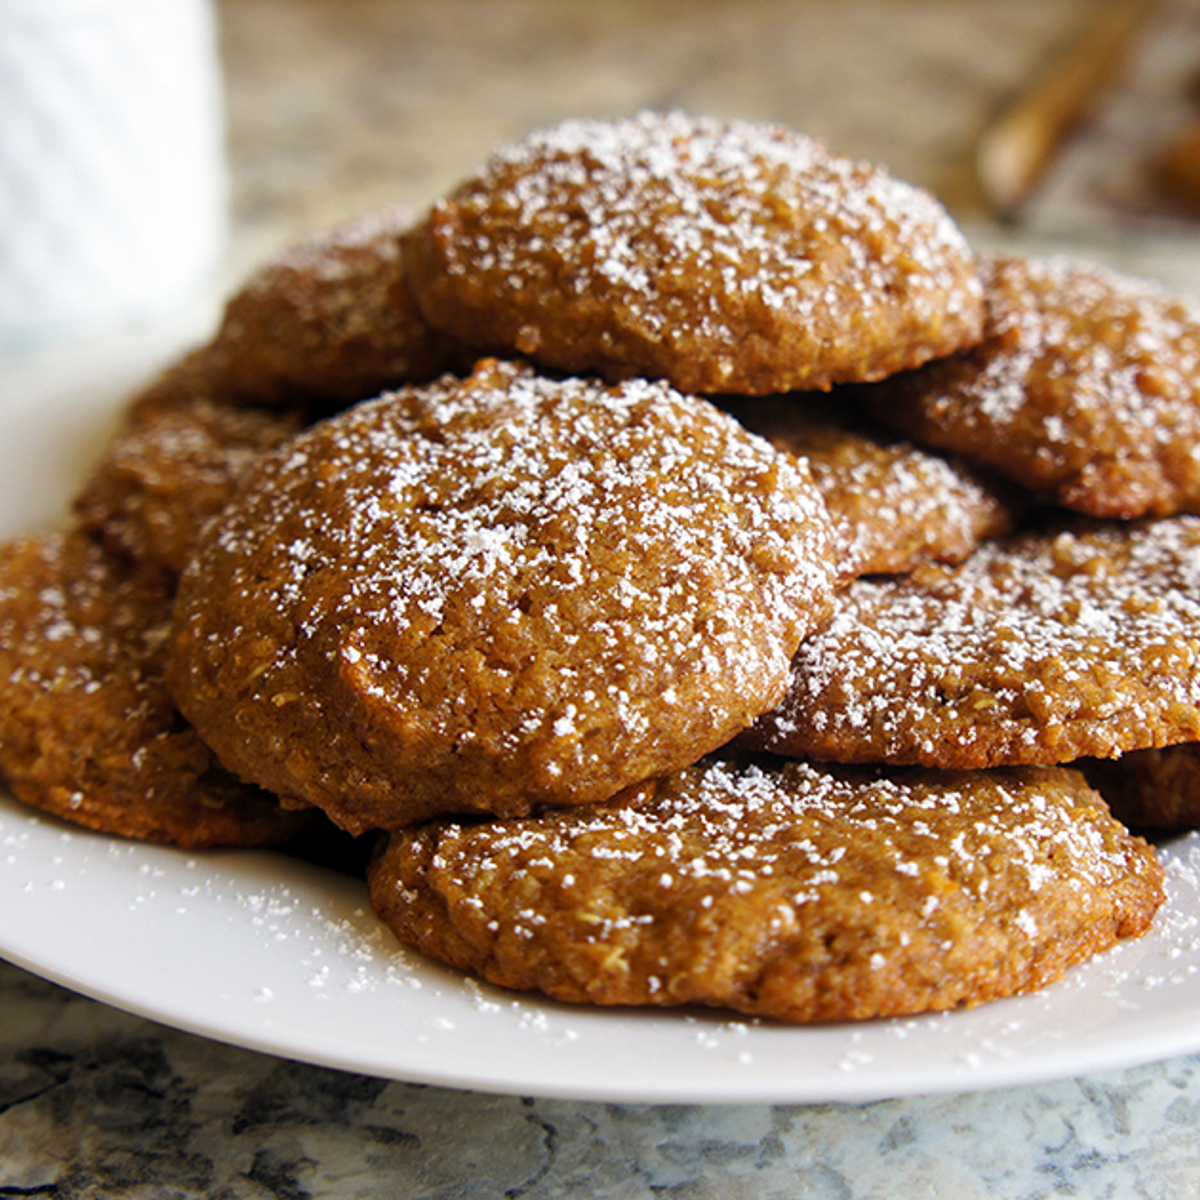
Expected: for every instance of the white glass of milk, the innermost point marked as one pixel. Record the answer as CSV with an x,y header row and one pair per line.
x,y
113,187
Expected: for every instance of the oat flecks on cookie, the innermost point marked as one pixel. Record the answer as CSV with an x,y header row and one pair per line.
x,y
1086,387
1044,648
179,454
330,318
894,505
781,890
489,594
88,731
721,256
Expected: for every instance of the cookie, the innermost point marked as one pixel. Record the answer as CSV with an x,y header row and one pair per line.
x,y
893,504
489,594
87,729
720,256
1151,789
781,890
1084,388
332,319
1048,647
174,462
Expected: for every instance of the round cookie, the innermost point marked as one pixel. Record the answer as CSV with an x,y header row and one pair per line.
x,y
720,256
87,729
893,504
484,595
781,890
175,461
1052,646
1085,387
331,318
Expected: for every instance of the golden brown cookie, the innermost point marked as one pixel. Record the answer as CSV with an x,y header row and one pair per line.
x,y
87,730
1085,387
331,318
720,256
1046,648
782,890
489,594
174,462
893,504
1151,789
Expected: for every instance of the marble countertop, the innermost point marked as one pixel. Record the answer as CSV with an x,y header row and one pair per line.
x,y
95,1105
337,107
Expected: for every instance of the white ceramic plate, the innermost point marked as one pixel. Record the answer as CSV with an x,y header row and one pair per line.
x,y
273,954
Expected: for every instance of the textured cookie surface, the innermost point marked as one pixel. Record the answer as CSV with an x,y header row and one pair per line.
x,y
723,257
330,318
174,463
1085,387
1045,648
487,594
893,504
87,729
787,891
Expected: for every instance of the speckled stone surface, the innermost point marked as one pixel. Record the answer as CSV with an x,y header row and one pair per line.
x,y
97,1104
339,107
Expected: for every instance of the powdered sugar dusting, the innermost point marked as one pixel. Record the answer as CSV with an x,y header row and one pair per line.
x,y
894,504
870,893
1084,387
1048,647
1052,310
746,824
625,561
330,316
724,184
726,256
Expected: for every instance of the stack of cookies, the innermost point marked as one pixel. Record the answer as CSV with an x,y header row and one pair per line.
x,y
703,577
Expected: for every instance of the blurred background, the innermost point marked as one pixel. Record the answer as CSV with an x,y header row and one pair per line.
x,y
335,108
152,151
